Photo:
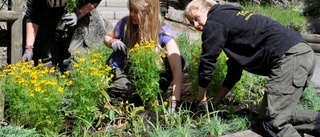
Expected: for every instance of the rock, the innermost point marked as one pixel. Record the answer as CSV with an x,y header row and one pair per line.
x,y
98,28
91,35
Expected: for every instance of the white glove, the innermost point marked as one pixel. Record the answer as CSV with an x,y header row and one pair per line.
x,y
118,45
71,19
27,56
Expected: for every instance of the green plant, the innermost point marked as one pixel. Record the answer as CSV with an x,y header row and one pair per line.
x,y
17,131
145,67
287,16
89,81
72,5
310,100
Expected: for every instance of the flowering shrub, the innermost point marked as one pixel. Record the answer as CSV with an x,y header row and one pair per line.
x,y
34,96
145,66
41,98
90,78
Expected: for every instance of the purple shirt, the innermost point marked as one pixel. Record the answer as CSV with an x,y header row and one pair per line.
x,y
116,59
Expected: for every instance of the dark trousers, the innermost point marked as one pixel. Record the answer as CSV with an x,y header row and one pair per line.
x,y
289,77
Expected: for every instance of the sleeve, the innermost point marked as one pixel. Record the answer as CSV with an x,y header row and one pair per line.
x,y
166,34
234,74
34,10
119,27
95,3
214,37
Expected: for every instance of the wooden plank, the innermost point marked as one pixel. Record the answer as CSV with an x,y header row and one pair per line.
x,y
16,33
8,16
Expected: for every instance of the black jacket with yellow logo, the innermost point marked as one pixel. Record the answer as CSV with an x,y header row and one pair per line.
x,y
251,41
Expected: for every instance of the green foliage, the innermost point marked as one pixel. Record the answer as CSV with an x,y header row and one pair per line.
x,y
18,131
289,16
89,81
310,100
71,5
145,67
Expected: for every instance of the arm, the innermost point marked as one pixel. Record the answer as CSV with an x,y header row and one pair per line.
x,y
85,9
234,73
33,16
174,58
109,38
31,32
214,37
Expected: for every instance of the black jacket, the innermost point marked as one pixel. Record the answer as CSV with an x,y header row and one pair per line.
x,y
36,9
251,41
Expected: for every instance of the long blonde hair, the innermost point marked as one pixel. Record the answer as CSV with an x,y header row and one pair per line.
x,y
150,21
198,4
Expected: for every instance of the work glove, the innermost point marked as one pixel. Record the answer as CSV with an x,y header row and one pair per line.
x,y
119,46
28,54
70,18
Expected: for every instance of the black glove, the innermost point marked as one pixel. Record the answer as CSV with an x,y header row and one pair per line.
x,y
119,46
200,107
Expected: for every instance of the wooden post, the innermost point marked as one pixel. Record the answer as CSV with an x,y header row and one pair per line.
x,y
16,33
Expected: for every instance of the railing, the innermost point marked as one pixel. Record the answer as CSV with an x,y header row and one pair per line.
x,y
13,17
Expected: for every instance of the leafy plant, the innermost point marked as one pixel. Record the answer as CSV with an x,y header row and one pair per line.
x,y
72,5
145,66
89,81
17,131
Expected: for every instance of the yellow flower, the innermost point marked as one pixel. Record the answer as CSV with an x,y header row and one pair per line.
x,y
165,104
52,70
60,89
108,68
111,75
69,83
67,72
82,59
76,65
38,89
31,95
93,61
63,76
77,52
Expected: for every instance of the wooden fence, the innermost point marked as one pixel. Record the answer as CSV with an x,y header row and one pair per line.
x,y
13,18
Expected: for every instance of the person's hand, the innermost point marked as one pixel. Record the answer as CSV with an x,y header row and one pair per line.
x,y
118,45
71,19
174,107
27,56
200,107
